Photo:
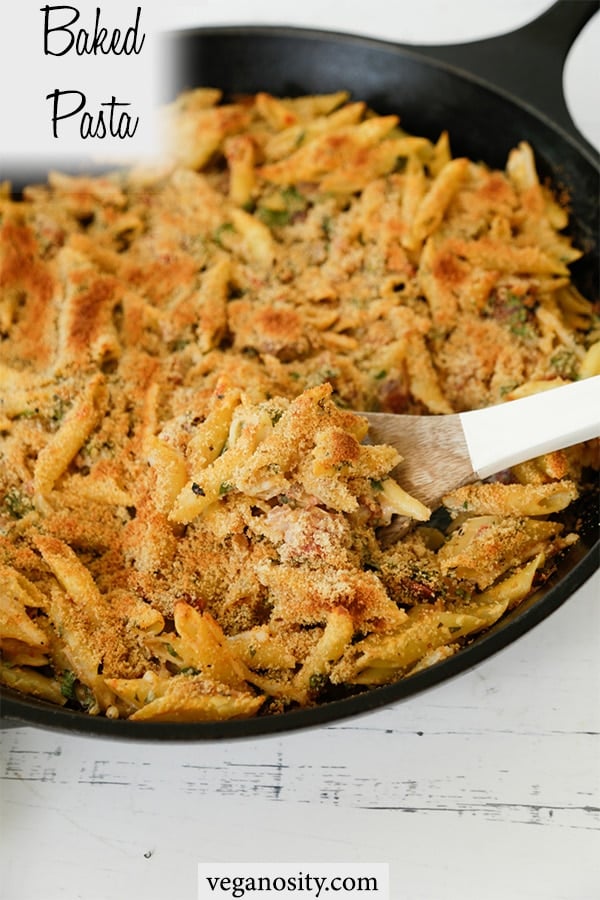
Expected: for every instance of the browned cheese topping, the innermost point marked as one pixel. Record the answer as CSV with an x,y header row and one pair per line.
x,y
190,519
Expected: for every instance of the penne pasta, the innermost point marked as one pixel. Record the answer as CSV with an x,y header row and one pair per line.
x,y
193,522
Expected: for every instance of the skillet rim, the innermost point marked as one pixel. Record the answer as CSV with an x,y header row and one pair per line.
x,y
420,54
21,710
28,711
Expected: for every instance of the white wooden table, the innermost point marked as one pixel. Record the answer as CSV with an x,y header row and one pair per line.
x,y
484,788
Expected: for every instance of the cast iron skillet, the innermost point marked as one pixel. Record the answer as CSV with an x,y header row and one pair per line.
x,y
516,94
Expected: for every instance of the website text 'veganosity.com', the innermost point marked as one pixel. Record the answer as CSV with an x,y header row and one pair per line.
x,y
254,881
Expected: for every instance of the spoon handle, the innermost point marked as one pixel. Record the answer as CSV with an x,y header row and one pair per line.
x,y
502,436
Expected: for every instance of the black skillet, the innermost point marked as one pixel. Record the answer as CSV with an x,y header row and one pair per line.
x,y
490,95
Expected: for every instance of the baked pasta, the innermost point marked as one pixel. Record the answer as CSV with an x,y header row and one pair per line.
x,y
190,519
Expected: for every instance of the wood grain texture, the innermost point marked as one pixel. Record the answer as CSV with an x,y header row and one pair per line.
x,y
435,455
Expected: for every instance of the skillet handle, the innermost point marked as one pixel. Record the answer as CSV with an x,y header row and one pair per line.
x,y
527,63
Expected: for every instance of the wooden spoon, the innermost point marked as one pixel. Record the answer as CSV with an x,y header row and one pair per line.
x,y
441,453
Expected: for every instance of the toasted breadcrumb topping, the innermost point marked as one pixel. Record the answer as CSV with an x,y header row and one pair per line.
x,y
190,520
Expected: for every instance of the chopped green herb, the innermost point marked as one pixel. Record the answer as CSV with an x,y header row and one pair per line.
x,y
17,504
59,409
517,316
294,202
518,323
178,345
380,375
275,415
317,682
292,195
67,684
274,218
220,231
224,488
513,311
85,696
375,484
329,374
564,362
344,464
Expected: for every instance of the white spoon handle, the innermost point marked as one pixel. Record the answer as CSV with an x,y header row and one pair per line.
x,y
502,436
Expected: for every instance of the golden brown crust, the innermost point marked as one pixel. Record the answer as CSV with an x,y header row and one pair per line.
x,y
189,515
